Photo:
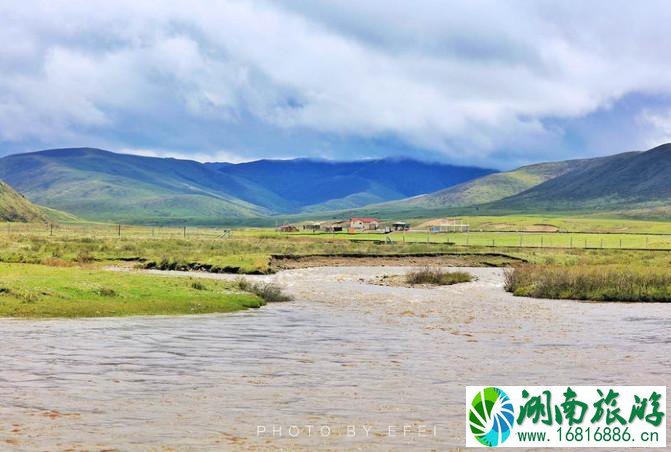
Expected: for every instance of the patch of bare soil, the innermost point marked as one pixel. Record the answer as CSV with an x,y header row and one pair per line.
x,y
436,222
542,228
447,260
497,226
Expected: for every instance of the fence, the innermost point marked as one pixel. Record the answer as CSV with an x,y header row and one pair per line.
x,y
110,231
568,240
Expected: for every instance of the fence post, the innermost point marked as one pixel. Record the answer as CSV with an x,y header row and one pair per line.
x,y
118,232
571,243
184,231
51,229
541,241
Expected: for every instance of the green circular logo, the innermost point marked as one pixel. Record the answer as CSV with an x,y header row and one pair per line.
x,y
491,416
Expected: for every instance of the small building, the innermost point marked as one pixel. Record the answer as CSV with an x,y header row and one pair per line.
x,y
364,224
400,226
335,226
312,227
287,228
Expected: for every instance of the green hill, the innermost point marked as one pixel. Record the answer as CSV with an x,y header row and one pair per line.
x,y
623,182
15,207
100,185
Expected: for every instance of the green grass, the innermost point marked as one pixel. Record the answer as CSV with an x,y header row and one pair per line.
x,y
597,283
40,291
436,276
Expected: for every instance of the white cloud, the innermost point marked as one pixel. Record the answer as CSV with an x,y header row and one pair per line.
x,y
214,156
463,78
660,125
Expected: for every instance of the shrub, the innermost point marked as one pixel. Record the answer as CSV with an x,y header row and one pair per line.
x,y
269,292
83,257
428,275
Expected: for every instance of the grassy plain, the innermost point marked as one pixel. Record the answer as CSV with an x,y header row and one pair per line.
x,y
58,271
28,290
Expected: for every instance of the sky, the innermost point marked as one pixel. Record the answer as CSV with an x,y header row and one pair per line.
x,y
488,83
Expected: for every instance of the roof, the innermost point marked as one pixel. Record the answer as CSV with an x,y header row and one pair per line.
x,y
365,220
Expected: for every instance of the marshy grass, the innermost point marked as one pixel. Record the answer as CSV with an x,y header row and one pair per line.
x,y
596,283
436,276
268,292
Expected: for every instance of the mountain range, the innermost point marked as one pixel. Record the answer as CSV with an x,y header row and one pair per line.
x,y
95,184
100,185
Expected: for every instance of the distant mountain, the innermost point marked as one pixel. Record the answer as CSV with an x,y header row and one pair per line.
x,y
101,185
633,180
14,207
317,185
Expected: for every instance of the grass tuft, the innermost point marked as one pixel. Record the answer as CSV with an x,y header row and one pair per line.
x,y
198,285
429,275
106,292
269,292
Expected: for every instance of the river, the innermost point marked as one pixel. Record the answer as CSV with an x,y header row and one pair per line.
x,y
347,365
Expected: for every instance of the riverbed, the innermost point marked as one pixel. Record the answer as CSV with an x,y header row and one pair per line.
x,y
348,364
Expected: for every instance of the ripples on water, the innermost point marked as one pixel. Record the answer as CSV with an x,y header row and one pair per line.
x,y
350,354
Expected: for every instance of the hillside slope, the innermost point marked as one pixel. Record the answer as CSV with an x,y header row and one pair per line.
x,y
102,185
634,180
15,207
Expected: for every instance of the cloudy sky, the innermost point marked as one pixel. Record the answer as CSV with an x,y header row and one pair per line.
x,y
487,83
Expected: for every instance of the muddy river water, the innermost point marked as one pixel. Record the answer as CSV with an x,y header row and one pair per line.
x,y
347,365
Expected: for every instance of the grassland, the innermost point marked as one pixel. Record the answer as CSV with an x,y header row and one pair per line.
x,y
28,290
58,271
